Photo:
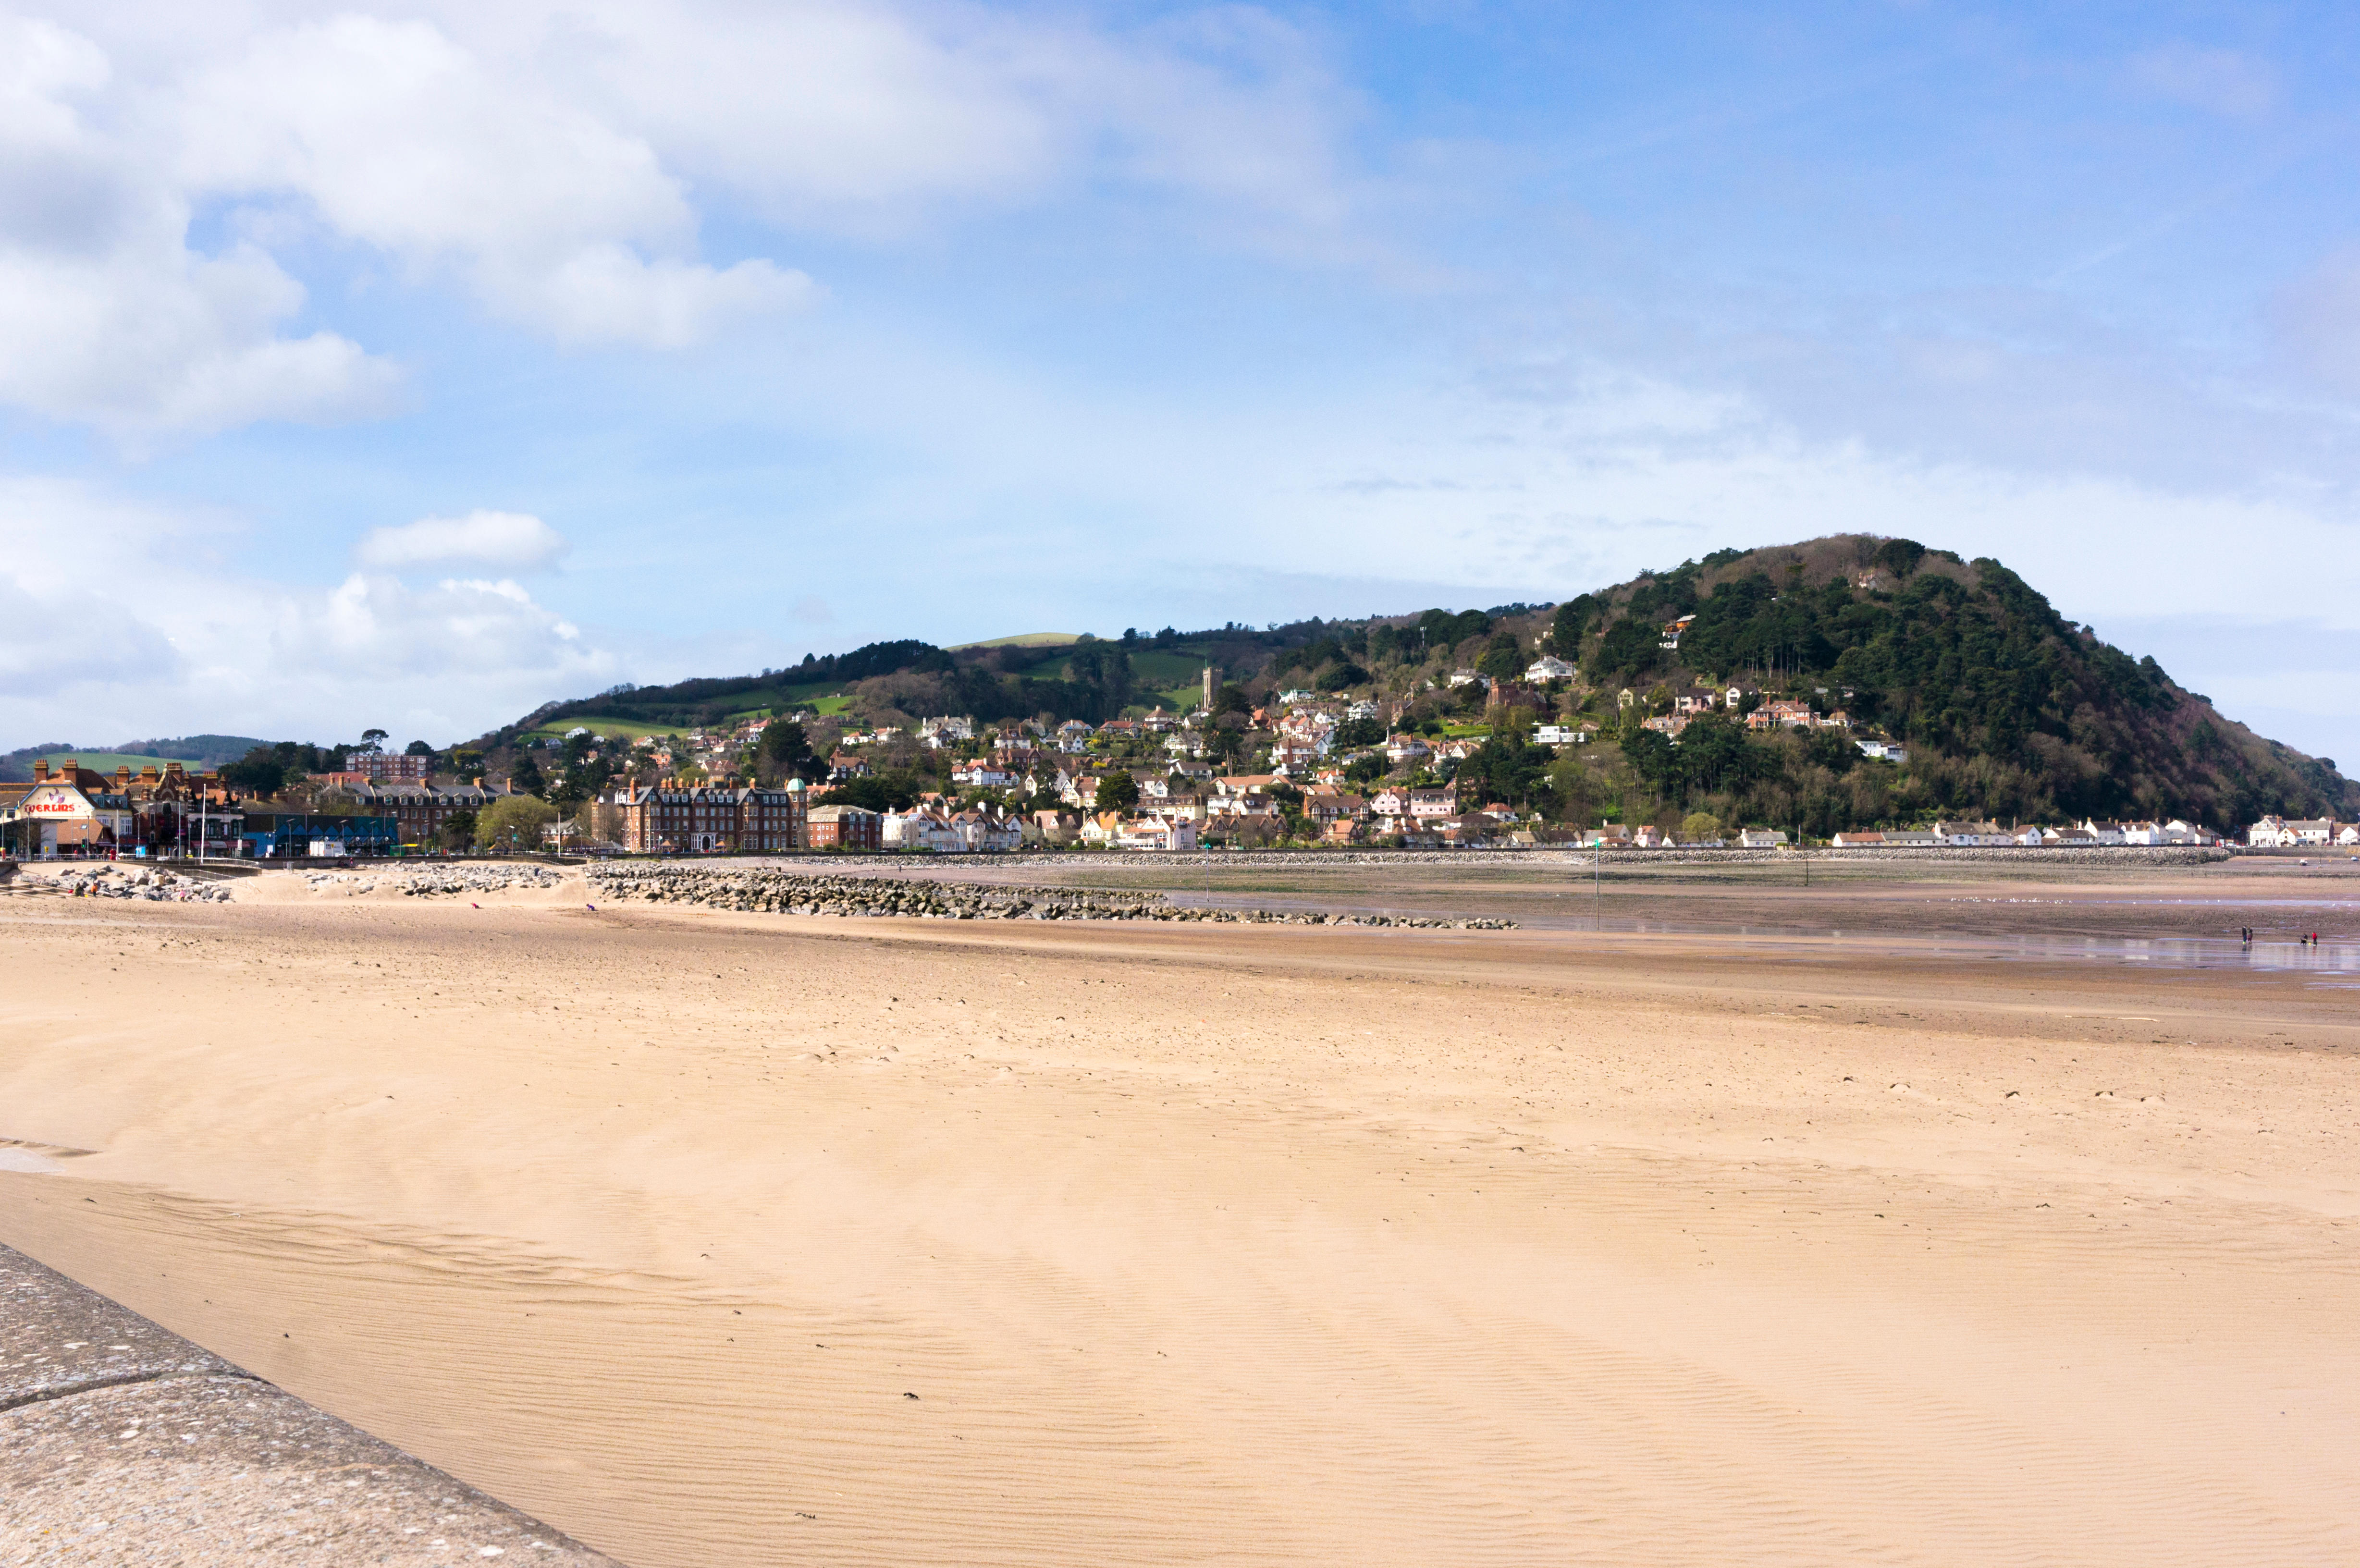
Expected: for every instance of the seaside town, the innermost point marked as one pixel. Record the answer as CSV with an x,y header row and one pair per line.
x,y
1059,782
1300,769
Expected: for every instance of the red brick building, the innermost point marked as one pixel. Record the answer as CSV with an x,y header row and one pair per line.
x,y
846,827
673,818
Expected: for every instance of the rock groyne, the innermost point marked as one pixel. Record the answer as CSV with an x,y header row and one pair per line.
x,y
119,881
795,893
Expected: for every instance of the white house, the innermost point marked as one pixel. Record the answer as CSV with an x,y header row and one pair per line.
x,y
1548,667
1157,832
1560,735
1430,803
1883,750
920,829
988,832
1404,749
1470,677
1425,804
1763,838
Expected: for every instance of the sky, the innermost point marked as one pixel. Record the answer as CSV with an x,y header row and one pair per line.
x,y
406,368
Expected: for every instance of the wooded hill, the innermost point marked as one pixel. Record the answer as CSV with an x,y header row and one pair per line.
x,y
2008,709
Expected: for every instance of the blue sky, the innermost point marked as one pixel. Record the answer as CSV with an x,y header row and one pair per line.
x,y
409,366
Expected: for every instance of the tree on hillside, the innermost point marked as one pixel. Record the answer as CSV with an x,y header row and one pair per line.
x,y
257,773
1118,792
896,790
1503,657
417,749
1627,652
1901,556
513,822
1572,621
785,752
526,775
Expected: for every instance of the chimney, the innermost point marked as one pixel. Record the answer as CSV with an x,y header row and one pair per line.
x,y
40,770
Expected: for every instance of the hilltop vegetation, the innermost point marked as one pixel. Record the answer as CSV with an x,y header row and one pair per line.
x,y
1087,678
2007,709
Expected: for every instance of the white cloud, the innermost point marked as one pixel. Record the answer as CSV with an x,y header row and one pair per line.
x,y
105,315
549,161
515,542
205,645
606,294
396,135
856,111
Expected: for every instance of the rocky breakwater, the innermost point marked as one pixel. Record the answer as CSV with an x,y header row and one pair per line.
x,y
142,882
431,881
791,893
439,881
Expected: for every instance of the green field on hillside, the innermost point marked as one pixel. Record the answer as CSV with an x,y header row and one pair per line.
x,y
1161,667
108,761
1024,639
630,728
824,700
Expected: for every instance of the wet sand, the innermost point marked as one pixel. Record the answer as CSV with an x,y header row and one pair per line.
x,y
1217,1245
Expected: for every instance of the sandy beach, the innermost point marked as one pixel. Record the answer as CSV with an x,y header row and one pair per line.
x,y
719,1238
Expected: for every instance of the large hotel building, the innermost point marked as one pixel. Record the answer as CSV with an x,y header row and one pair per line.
x,y
704,819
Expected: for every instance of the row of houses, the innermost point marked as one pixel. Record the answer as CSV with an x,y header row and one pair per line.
x,y
2090,833
2303,832
1619,835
